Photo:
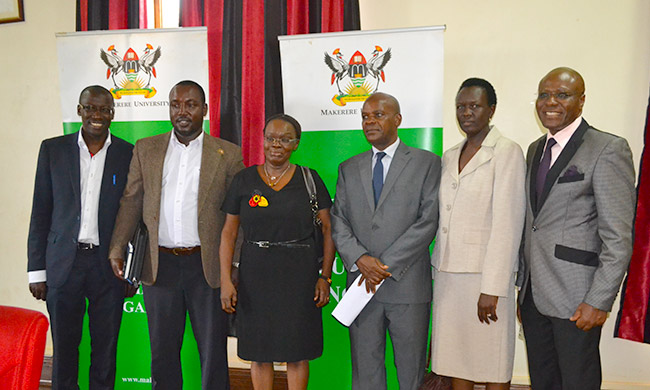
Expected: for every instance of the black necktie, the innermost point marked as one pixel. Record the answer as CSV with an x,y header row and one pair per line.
x,y
544,167
378,176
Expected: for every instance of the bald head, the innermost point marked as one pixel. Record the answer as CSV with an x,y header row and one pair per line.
x,y
380,118
568,75
560,97
388,100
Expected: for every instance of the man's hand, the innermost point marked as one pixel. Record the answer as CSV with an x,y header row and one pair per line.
x,y
228,297
487,308
39,290
118,266
234,276
373,272
587,317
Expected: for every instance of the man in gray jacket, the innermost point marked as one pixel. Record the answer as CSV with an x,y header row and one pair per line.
x,y
383,220
580,208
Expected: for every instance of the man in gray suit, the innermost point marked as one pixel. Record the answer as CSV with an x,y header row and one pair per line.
x,y
383,220
580,190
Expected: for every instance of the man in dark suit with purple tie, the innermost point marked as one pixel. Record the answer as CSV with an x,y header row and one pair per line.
x,y
580,208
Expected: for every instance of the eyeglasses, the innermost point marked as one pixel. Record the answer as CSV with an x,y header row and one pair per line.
x,y
557,95
282,141
90,109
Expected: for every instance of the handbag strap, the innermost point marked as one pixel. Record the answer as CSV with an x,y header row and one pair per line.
x,y
311,190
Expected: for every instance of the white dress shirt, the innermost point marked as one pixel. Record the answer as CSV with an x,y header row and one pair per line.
x,y
91,171
180,194
562,138
388,158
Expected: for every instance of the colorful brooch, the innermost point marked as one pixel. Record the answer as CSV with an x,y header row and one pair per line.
x,y
258,200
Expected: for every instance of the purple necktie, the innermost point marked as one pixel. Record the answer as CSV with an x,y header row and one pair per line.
x,y
544,167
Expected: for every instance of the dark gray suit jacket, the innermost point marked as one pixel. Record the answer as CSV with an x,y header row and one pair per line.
x,y
578,235
399,230
56,210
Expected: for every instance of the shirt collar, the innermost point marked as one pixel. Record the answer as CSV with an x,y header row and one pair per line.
x,y
563,136
82,142
195,143
390,150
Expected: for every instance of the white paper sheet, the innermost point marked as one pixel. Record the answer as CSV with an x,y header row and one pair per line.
x,y
354,300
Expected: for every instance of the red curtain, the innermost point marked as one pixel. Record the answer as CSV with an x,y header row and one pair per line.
x,y
633,322
243,51
111,14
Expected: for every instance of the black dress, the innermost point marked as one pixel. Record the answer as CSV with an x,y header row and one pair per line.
x,y
277,318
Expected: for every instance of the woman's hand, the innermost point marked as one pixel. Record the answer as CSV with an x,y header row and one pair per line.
x,y
228,296
226,250
322,293
487,308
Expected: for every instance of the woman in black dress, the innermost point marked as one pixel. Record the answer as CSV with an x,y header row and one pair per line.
x,y
280,291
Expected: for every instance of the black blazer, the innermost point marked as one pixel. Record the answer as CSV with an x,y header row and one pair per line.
x,y
56,210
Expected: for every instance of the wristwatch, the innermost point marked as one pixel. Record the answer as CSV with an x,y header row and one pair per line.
x,y
325,278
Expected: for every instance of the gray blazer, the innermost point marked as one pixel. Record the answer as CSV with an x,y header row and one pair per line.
x,y
578,235
399,230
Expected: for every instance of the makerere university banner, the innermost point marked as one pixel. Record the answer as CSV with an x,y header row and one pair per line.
x,y
325,79
139,67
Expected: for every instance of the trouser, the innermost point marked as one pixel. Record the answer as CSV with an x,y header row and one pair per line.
x,y
181,288
560,356
67,306
408,327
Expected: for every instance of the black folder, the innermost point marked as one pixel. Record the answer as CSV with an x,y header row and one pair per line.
x,y
135,251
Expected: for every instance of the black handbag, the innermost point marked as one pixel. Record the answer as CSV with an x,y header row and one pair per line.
x,y
135,251
313,202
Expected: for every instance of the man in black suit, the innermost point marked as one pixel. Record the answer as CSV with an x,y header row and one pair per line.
x,y
79,181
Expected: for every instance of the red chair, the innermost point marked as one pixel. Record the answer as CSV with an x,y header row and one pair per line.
x,y
22,344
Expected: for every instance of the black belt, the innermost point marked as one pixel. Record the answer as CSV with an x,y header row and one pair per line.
x,y
86,247
285,244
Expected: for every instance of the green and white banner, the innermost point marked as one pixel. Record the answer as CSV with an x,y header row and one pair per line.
x,y
139,67
326,79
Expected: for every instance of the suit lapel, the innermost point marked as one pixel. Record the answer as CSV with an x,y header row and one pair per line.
x,y
453,157
483,155
75,177
211,158
534,166
563,160
400,159
154,167
365,169
107,176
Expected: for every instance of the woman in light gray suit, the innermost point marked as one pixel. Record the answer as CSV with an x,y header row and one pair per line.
x,y
482,206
